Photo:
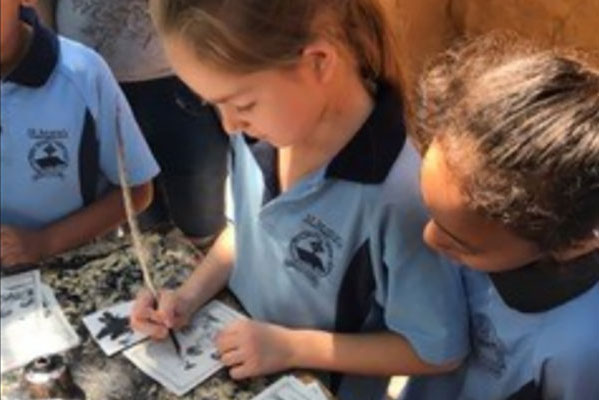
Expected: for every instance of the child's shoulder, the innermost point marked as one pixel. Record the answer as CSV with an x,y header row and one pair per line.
x,y
86,72
568,349
401,189
570,334
80,64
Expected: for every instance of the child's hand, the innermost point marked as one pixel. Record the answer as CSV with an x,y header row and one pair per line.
x,y
20,246
251,348
173,311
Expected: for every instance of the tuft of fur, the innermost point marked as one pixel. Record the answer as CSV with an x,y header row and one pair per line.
x,y
111,381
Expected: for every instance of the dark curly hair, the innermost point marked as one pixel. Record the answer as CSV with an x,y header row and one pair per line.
x,y
520,128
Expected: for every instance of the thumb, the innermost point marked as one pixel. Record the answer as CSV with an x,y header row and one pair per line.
x,y
167,308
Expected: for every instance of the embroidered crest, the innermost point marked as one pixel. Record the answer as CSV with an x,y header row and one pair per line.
x,y
311,253
48,158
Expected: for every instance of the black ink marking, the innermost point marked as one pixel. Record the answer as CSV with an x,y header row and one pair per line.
x,y
114,326
189,365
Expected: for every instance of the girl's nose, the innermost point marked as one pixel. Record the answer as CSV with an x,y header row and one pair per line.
x,y
231,123
435,239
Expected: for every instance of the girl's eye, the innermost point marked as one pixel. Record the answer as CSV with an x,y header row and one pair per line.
x,y
246,108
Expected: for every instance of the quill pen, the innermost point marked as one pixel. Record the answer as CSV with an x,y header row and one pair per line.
x,y
139,249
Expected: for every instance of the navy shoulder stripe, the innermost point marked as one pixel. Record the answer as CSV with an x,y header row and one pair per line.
x,y
89,160
355,298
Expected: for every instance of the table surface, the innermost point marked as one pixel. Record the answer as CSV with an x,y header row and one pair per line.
x,y
104,273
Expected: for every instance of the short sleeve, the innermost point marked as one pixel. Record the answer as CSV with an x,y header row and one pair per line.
x,y
573,373
229,198
422,294
113,112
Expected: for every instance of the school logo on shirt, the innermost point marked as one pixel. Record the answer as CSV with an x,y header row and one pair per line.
x,y
311,251
489,349
48,156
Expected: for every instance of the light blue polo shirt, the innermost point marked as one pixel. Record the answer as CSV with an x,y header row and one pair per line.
x,y
58,120
535,336
342,250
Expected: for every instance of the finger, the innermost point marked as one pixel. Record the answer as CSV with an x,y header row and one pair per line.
x,y
240,372
167,308
144,299
235,326
6,248
232,358
10,259
226,345
226,342
144,318
231,329
148,316
11,248
7,235
143,305
155,331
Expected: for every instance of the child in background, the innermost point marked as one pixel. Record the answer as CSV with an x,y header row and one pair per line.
x,y
60,111
326,252
184,135
511,177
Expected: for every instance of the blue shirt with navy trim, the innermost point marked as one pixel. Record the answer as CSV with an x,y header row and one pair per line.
x,y
535,336
342,249
60,111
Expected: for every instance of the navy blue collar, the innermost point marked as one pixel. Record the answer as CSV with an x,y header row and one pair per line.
x,y
544,285
37,66
368,156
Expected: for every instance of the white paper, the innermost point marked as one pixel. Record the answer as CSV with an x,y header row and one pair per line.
x,y
52,334
317,393
57,333
290,388
110,328
199,359
20,297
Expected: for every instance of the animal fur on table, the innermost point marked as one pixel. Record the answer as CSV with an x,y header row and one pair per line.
x,y
111,381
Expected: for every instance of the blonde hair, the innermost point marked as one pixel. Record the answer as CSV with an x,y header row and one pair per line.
x,y
252,35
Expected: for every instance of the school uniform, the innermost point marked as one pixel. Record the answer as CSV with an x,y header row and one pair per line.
x,y
60,111
535,334
185,135
342,249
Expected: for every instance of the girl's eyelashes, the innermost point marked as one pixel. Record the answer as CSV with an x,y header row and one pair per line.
x,y
454,244
245,108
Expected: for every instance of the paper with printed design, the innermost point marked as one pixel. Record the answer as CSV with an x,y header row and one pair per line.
x,y
199,358
110,328
291,388
20,298
37,335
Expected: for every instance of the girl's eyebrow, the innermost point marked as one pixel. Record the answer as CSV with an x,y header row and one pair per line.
x,y
459,241
225,98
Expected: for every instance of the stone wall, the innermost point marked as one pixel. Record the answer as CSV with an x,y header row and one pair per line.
x,y
555,22
426,27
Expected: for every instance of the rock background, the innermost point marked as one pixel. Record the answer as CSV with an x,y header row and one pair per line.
x,y
426,27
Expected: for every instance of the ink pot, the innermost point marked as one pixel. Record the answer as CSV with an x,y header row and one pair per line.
x,y
50,378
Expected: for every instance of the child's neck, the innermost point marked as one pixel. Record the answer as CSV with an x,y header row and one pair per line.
x,y
339,124
21,41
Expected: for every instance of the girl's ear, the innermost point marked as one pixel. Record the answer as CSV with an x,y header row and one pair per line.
x,y
321,57
579,249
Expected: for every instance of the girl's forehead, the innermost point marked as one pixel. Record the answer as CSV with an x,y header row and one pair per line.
x,y
204,78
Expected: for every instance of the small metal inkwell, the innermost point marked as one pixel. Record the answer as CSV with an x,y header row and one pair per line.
x,y
50,378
